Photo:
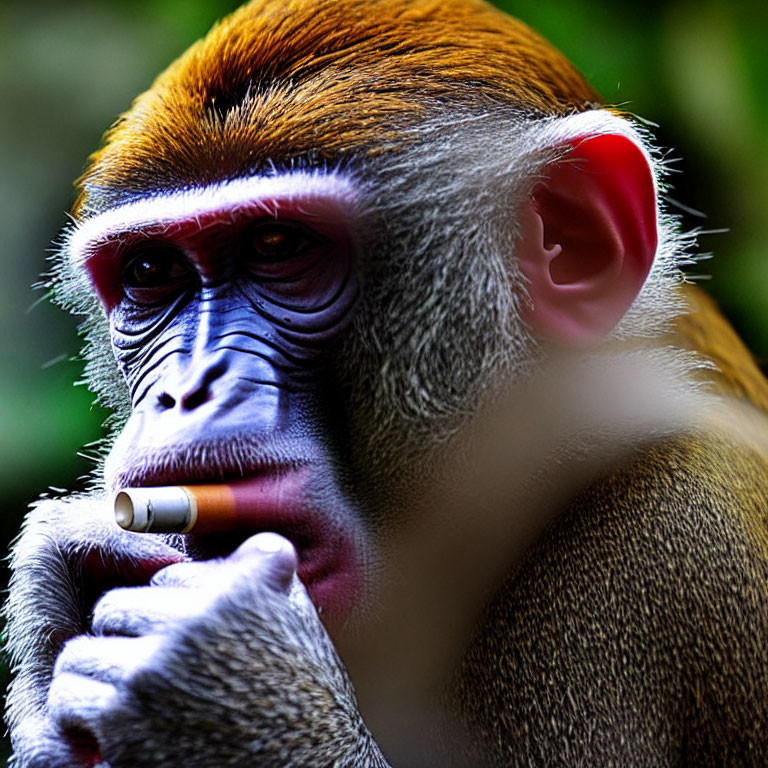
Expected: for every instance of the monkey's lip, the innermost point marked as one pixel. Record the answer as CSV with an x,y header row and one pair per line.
x,y
325,545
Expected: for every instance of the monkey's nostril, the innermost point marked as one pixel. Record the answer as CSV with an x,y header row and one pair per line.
x,y
200,390
165,401
195,398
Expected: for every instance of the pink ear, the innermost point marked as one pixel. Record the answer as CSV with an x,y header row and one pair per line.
x,y
587,240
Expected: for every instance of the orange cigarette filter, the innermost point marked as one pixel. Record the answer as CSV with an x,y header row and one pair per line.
x,y
183,508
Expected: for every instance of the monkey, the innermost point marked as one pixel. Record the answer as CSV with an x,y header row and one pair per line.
x,y
398,259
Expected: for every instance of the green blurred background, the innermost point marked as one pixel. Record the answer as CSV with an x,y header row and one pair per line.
x,y
697,69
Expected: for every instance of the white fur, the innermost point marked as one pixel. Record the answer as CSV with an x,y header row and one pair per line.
x,y
264,193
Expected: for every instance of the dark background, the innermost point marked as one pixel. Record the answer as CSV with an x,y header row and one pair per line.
x,y
697,69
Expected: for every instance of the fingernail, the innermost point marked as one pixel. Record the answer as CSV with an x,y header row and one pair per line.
x,y
269,542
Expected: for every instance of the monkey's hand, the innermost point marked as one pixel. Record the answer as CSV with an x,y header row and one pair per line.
x,y
68,554
217,663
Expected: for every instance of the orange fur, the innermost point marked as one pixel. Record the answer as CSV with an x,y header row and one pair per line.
x,y
317,81
707,331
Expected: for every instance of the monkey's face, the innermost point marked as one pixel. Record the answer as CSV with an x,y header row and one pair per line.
x,y
226,306
264,331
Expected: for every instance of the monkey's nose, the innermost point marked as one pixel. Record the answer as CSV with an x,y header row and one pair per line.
x,y
190,394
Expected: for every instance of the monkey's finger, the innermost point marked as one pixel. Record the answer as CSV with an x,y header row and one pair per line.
x,y
76,707
272,552
266,556
78,701
38,743
137,611
190,574
108,660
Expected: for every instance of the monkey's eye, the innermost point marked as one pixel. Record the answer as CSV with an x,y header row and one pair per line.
x,y
270,241
154,272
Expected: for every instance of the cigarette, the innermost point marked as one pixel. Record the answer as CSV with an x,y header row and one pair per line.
x,y
182,508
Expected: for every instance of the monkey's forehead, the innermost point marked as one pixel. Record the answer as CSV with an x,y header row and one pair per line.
x,y
329,200
311,83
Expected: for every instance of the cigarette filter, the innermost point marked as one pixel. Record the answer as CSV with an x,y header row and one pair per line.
x,y
181,508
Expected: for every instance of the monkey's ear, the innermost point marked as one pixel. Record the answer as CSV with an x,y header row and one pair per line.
x,y
588,239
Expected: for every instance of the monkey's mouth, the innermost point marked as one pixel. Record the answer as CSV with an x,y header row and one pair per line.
x,y
281,502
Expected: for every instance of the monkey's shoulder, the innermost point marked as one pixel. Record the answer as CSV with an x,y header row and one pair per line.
x,y
701,489
685,520
638,620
